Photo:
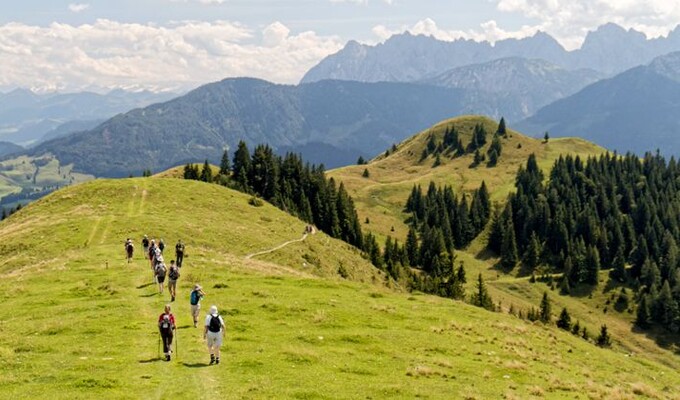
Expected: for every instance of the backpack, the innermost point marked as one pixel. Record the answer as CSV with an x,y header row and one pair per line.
x,y
174,273
160,270
165,323
215,324
195,297
179,248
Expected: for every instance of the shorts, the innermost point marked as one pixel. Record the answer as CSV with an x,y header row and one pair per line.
x,y
214,339
160,279
195,309
172,282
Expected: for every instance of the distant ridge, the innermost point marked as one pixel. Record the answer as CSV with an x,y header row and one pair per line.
x,y
336,121
635,111
404,57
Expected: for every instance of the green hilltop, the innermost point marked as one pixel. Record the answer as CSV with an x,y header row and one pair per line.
x,y
79,322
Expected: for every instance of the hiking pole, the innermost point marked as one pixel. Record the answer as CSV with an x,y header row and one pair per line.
x,y
176,344
159,346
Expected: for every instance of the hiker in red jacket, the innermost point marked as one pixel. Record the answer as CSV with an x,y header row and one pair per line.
x,y
166,326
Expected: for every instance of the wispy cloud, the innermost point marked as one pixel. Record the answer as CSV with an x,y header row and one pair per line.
x,y
182,55
78,7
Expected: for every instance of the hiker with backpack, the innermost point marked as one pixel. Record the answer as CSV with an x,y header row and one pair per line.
x,y
195,300
173,275
160,271
213,333
151,252
166,326
145,245
129,249
179,253
161,245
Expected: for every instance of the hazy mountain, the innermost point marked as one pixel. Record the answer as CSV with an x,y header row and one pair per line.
x,y
636,110
9,148
336,121
531,83
26,116
609,49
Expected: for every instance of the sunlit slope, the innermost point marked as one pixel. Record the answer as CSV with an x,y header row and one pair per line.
x,y
381,197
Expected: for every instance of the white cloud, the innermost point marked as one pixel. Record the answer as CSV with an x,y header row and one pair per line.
x,y
78,7
570,20
180,55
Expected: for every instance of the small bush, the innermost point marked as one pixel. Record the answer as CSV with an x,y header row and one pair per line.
x,y
256,202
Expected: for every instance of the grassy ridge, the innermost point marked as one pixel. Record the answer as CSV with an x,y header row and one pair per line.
x,y
78,322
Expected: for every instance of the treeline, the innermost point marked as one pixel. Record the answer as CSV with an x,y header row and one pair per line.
x,y
300,189
606,212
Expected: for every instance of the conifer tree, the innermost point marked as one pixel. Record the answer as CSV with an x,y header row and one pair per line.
x,y
532,254
603,339
481,297
412,251
501,131
206,172
509,257
545,309
225,167
643,317
564,322
241,164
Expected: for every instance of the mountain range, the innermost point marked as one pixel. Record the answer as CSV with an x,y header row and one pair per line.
x,y
404,58
341,118
529,84
25,116
634,111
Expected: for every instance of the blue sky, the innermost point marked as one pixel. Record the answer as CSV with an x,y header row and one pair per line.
x,y
179,44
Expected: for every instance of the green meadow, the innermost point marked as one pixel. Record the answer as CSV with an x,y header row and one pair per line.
x,y
78,322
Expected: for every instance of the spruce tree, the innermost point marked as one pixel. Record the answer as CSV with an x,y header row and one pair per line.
x,y
481,298
225,167
509,257
206,172
564,322
546,137
545,309
532,254
603,339
501,131
643,317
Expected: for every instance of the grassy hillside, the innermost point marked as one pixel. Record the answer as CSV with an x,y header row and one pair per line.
x,y
76,321
381,198
23,177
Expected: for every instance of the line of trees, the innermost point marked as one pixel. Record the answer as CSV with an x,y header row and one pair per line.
x,y
616,213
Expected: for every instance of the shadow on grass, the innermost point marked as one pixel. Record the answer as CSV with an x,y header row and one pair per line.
x,y
665,339
150,360
195,365
145,285
184,327
148,295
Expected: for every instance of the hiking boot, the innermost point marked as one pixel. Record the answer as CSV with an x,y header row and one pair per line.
x,y
212,359
167,357
172,298
217,360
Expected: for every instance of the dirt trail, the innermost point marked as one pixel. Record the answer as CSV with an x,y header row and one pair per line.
x,y
259,253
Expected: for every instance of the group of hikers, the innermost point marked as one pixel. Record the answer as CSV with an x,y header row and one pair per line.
x,y
213,327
